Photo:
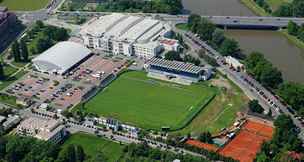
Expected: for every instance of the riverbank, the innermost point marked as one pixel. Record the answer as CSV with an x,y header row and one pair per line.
x,y
293,39
254,7
261,12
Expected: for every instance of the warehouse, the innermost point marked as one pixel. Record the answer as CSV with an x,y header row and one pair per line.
x,y
60,58
176,71
125,35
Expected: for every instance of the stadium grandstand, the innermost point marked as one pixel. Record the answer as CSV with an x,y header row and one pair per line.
x,y
61,58
175,71
126,35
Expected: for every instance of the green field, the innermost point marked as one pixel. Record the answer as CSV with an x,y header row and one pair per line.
x,y
220,113
136,99
24,5
93,145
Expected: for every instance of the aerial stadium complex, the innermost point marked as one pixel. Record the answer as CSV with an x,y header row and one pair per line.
x,y
175,71
61,57
126,35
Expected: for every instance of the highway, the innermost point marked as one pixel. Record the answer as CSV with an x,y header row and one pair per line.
x,y
249,85
249,22
224,21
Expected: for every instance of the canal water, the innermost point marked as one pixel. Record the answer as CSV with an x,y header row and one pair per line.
x,y
217,7
274,45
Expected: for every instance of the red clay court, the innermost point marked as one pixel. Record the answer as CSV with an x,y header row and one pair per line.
x,y
202,145
247,143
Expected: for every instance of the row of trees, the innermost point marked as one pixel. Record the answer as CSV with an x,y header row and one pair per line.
x,y
175,56
152,6
20,51
295,8
269,76
264,5
255,107
134,152
263,71
293,94
296,30
41,37
208,32
27,149
284,140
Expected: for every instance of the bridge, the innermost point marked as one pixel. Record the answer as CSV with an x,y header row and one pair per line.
x,y
241,22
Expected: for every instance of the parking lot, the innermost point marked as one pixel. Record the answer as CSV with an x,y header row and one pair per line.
x,y
62,92
96,69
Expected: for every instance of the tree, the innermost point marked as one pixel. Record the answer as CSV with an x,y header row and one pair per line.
x,y
172,55
43,44
263,71
271,77
293,94
2,146
80,155
205,137
190,59
254,106
205,29
99,157
292,28
284,10
24,50
39,24
193,19
230,47
217,37
67,154
298,8
16,51
2,74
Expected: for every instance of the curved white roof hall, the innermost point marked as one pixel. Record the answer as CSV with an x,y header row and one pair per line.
x,y
61,57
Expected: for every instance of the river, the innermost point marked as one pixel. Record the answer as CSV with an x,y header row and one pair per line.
x,y
275,46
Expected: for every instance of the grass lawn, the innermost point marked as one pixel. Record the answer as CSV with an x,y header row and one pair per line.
x,y
8,81
9,70
24,5
136,99
92,145
10,100
220,113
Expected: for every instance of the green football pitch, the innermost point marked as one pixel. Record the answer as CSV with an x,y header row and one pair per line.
x,y
24,5
148,103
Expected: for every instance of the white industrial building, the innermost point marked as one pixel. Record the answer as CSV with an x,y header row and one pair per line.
x,y
61,57
125,34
